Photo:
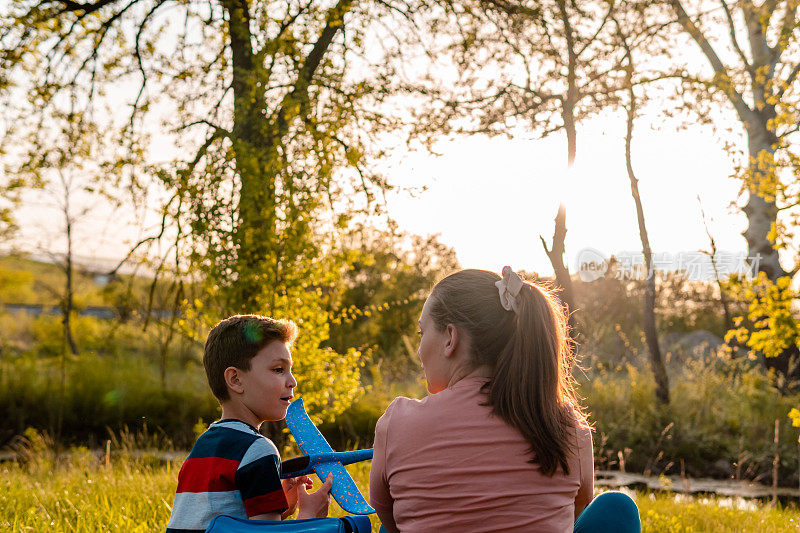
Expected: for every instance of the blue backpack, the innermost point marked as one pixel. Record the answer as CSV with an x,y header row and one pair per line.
x,y
347,524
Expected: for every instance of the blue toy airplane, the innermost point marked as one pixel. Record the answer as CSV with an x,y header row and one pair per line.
x,y
321,459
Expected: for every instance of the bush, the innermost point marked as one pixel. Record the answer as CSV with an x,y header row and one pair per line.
x,y
101,394
720,421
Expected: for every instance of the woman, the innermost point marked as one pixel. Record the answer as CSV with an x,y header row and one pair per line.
x,y
500,444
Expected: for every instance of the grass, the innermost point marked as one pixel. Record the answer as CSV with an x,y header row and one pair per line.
x,y
678,514
82,495
127,496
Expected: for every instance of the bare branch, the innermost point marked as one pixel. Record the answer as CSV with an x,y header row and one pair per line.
x,y
138,55
735,41
146,240
789,80
188,170
742,109
510,8
219,131
788,26
333,24
603,23
84,7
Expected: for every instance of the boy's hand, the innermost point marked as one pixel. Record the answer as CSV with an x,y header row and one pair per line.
x,y
315,504
290,487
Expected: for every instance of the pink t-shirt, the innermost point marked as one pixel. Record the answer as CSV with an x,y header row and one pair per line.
x,y
445,463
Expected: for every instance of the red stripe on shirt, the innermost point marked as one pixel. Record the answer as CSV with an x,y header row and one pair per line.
x,y
207,474
266,503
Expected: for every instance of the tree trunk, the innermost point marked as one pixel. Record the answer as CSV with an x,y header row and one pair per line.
x,y
563,279
761,213
651,334
256,139
255,229
756,118
571,96
68,301
556,253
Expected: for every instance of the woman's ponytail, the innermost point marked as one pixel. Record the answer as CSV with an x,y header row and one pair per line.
x,y
528,348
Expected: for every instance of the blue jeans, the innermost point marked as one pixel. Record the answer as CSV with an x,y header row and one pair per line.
x,y
609,512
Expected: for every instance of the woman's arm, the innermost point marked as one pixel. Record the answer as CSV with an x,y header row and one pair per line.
x,y
586,456
387,521
379,495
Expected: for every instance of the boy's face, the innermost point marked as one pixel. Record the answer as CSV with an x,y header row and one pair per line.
x,y
269,384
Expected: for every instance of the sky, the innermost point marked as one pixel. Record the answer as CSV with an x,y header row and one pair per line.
x,y
491,198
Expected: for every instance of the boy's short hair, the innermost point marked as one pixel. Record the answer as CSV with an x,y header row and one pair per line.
x,y
235,341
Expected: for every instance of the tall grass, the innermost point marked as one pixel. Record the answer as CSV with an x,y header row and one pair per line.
x,y
720,421
48,494
80,494
102,393
681,514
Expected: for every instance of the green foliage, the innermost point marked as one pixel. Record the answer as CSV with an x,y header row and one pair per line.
x,y
272,131
26,281
117,381
722,414
380,296
16,285
794,415
328,380
773,329
611,312
102,393
48,336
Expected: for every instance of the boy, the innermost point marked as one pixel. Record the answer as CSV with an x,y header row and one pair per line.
x,y
232,469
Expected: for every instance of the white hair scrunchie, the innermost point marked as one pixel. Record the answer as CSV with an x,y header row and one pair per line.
x,y
509,288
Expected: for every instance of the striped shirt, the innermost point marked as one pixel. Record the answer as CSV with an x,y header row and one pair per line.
x,y
232,470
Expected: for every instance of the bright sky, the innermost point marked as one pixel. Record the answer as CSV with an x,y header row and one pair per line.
x,y
491,198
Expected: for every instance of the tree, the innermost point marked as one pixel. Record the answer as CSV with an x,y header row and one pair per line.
x,y
65,176
380,296
712,255
630,104
753,51
758,77
275,105
541,65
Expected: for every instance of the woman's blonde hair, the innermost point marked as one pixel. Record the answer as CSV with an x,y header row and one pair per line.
x,y
529,353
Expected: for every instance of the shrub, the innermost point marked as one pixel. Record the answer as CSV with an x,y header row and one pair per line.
x,y
101,394
720,422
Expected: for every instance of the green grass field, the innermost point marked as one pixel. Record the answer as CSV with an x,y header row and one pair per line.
x,y
134,496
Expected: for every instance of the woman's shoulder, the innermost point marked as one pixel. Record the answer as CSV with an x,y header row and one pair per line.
x,y
402,408
402,405
582,427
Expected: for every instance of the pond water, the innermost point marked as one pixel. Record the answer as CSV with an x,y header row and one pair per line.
x,y
719,487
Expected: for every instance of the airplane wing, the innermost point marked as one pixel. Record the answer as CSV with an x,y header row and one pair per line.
x,y
304,431
344,489
312,443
